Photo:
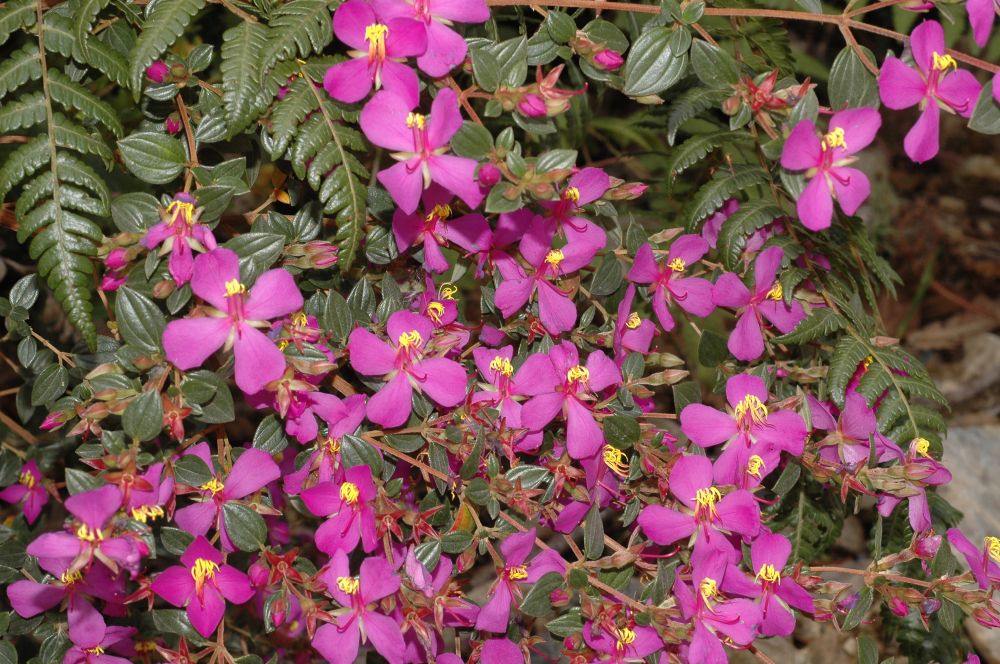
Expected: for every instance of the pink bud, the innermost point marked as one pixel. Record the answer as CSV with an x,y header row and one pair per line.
x,y
258,574
986,618
321,254
608,60
112,281
158,71
173,125
116,259
532,106
489,175
930,606
53,420
927,547
898,607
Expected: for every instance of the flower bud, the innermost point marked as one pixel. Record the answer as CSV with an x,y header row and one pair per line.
x,y
321,254
116,259
898,607
608,60
627,191
55,419
112,281
489,175
986,618
532,106
158,71
930,606
927,547
173,125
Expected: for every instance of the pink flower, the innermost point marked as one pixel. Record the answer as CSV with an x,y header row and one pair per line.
x,y
188,342
172,125
380,47
848,442
501,385
981,15
767,299
30,598
149,494
826,163
585,187
495,615
435,229
29,490
936,83
608,60
985,563
627,642
158,71
712,226
179,232
202,586
532,106
560,384
403,364
253,470
488,175
768,555
92,637
494,651
510,228
343,417
420,144
667,284
632,333
348,506
446,49
920,470
338,641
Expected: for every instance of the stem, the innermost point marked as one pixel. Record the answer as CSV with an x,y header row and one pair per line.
x,y
192,147
64,358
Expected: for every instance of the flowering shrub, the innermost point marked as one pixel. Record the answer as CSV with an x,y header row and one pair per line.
x,y
585,365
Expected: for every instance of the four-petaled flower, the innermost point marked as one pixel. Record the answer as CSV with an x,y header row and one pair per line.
x,y
348,507
29,490
179,232
446,48
667,282
436,227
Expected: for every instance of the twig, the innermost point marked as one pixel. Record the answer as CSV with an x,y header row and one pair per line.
x,y
9,422
64,358
192,146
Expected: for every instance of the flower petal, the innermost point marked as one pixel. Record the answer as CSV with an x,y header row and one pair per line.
x,y
273,295
188,342
211,272
258,360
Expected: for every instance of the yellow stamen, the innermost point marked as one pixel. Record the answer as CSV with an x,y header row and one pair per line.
x,y
332,445
301,320
282,345
633,321
375,35
88,534
435,310
440,212
753,407
502,365
993,547
868,361
615,459
571,194
214,485
411,338
415,120
203,570
578,374
517,573
348,585
27,479
768,573
69,578
349,493
834,139
754,465
709,590
234,287
555,257
448,291
677,265
923,446
96,650
943,62
625,637
705,499
776,293
147,513
182,210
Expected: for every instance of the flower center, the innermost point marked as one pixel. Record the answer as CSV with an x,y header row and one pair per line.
x,y
615,459
776,293
410,339
448,291
69,578
96,650
27,479
440,213
578,374
943,62
677,265
332,445
625,637
517,573
147,513
375,35
180,210
502,366
416,120
234,287
435,310
213,485
349,493
768,574
705,500
555,257
834,139
203,570
300,319
751,411
709,590
633,321
754,465
348,585
88,534
571,194
923,446
993,547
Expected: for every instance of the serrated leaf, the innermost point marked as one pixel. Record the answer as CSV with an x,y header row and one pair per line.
x,y
19,67
84,14
72,95
737,228
688,105
140,320
15,15
693,150
300,27
164,25
847,355
242,48
820,323
723,185
22,113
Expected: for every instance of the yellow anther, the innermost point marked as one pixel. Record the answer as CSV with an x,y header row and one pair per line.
x,y
300,319
203,570
616,460
834,139
440,212
768,574
332,445
69,578
633,321
214,485
349,493
448,291
282,345
411,338
753,408
705,499
709,590
27,479
555,257
943,62
180,210
922,446
415,120
145,646
147,513
435,310
868,361
502,365
96,650
348,585
88,534
754,465
375,35
234,287
625,637
578,374
677,265
517,573
776,293
571,194
992,545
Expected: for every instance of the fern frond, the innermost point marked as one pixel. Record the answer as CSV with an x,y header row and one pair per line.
x,y
20,67
163,26
61,39
689,105
86,12
24,112
68,134
15,15
73,96
752,216
693,150
242,48
723,185
301,27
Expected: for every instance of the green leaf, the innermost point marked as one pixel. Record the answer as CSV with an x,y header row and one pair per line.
x,y
608,276
529,476
24,292
847,355
143,418
175,540
567,624
621,431
685,393
270,435
73,96
712,350
15,15
49,385
22,113
561,27
867,650
537,601
472,140
336,316
135,212
192,471
175,621
78,481
713,66
83,18
724,184
153,157
355,451
820,323
8,653
693,150
19,67
986,115
242,48
851,84
737,228
245,527
593,533
651,66
859,610
690,104
140,320
162,27
300,27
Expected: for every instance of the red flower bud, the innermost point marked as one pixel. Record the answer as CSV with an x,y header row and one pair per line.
x,y
158,71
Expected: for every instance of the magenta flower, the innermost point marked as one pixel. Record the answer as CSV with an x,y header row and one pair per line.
x,y
983,563
632,333
494,651
936,83
502,385
706,508
30,598
92,638
848,441
585,187
404,366
62,552
608,60
629,642
755,435
338,641
981,15
435,229
767,299
445,48
769,554
150,494
344,418
189,341
565,386
510,228
202,585
920,470
495,615
179,233
827,164
379,50
348,506
420,144
667,284
158,71
253,470
29,491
